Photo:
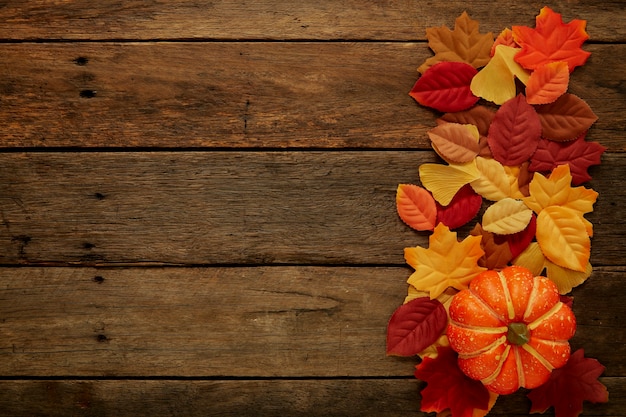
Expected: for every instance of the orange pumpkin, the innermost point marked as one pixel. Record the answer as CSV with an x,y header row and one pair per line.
x,y
510,329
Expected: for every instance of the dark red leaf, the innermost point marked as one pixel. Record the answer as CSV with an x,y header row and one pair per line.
x,y
568,300
446,87
579,154
514,132
448,387
415,325
520,241
569,386
463,207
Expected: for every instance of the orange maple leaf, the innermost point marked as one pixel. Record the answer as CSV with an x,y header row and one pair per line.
x,y
445,263
551,41
463,44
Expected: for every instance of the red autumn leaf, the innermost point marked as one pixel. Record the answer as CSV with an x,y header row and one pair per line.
x,y
520,240
547,83
565,119
416,207
514,132
550,41
463,207
568,300
579,154
479,116
569,386
415,325
449,388
446,87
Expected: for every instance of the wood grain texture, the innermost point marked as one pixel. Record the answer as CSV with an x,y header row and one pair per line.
x,y
230,208
269,322
242,95
323,398
283,19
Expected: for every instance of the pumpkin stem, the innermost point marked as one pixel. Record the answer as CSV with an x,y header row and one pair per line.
x,y
518,334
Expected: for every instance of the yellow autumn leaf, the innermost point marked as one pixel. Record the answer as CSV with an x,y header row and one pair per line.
x,y
532,258
566,279
513,175
431,351
556,190
563,237
444,181
493,183
445,298
506,217
496,82
445,263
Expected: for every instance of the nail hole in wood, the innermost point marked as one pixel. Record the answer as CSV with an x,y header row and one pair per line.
x,y
98,279
87,93
81,60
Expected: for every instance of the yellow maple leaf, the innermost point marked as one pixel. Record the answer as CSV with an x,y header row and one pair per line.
x,y
556,190
463,44
445,263
563,238
496,82
444,181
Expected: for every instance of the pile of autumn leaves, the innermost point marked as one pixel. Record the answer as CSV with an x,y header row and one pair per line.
x,y
521,149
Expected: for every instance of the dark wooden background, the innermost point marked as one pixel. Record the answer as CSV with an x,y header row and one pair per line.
x,y
197,203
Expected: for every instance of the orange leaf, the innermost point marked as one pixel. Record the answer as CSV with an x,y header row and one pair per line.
x,y
479,116
416,207
566,118
454,142
446,263
563,238
463,44
551,41
504,38
547,83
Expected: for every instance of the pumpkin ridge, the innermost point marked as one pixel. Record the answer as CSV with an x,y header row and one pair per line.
x,y
491,378
531,300
484,349
521,380
483,329
486,306
507,296
545,316
538,356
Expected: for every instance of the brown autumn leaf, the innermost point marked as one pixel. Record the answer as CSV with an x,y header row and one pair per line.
x,y
463,44
566,118
497,253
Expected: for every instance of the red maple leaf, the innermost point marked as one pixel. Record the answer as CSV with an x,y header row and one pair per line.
x,y
579,154
569,386
448,387
551,41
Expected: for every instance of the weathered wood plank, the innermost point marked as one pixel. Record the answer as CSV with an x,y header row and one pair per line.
x,y
341,397
241,322
231,208
237,94
283,19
